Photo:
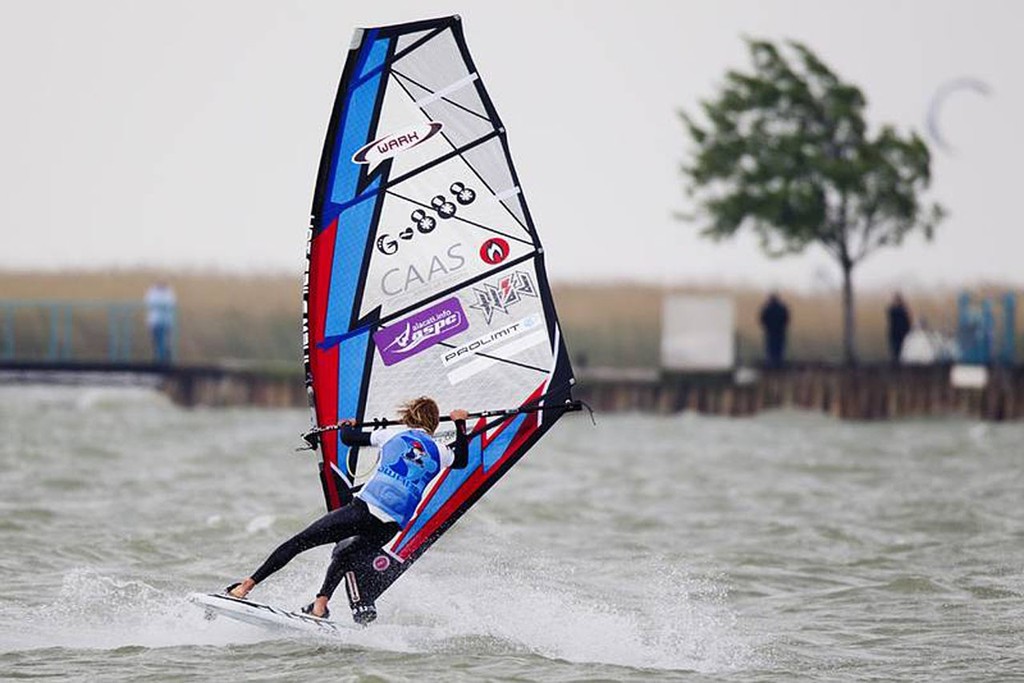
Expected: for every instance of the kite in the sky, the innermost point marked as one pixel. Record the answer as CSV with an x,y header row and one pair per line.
x,y
938,100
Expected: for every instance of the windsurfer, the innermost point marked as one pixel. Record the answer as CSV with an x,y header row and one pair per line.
x,y
409,460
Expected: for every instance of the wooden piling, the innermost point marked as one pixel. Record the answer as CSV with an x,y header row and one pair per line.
x,y
861,393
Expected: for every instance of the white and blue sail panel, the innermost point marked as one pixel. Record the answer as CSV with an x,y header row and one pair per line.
x,y
437,284
356,126
353,210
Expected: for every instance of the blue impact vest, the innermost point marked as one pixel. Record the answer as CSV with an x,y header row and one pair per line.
x,y
409,461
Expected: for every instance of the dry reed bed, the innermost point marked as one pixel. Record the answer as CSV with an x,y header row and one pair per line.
x,y
257,316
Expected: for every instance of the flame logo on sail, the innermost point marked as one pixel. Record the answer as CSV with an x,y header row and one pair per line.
x,y
494,251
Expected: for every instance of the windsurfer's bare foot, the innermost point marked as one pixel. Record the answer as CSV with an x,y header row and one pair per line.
x,y
318,608
241,589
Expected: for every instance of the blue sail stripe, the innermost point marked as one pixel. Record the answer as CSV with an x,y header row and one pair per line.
x,y
348,260
362,100
328,342
351,358
496,448
350,240
351,235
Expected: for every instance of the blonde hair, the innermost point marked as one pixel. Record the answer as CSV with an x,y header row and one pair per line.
x,y
420,412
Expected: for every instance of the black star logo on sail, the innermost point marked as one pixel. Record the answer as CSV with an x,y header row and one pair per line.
x,y
509,290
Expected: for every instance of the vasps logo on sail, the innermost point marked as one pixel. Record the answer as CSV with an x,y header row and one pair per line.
x,y
420,331
395,143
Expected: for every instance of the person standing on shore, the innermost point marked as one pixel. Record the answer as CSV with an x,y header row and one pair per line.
x,y
161,305
774,321
899,326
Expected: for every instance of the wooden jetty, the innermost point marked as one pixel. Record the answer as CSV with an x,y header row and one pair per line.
x,y
862,393
269,387
212,385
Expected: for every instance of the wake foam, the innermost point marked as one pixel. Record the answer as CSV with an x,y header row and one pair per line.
x,y
95,611
661,619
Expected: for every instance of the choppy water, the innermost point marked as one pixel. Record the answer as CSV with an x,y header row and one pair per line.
x,y
786,547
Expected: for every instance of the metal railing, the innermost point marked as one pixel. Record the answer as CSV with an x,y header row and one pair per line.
x,y
983,336
61,331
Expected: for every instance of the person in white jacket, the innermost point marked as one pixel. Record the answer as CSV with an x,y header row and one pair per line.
x,y
160,312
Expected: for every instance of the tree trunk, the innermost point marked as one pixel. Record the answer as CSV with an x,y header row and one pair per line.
x,y
849,349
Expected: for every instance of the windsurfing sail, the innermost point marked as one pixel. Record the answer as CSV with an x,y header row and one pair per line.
x,y
425,277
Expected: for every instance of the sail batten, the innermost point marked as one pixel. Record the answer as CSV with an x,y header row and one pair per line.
x,y
425,275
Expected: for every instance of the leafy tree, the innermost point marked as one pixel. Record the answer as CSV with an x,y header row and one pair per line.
x,y
786,152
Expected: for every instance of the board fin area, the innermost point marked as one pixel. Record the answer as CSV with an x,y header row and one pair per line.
x,y
266,616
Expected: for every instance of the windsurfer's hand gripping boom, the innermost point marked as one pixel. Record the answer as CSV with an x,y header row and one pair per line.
x,y
456,416
352,436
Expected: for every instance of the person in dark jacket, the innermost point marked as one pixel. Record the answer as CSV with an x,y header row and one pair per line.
x,y
774,321
899,326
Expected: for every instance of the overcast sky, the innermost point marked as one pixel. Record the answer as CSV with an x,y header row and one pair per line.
x,y
188,133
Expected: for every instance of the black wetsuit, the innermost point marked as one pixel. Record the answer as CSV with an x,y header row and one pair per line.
x,y
353,524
